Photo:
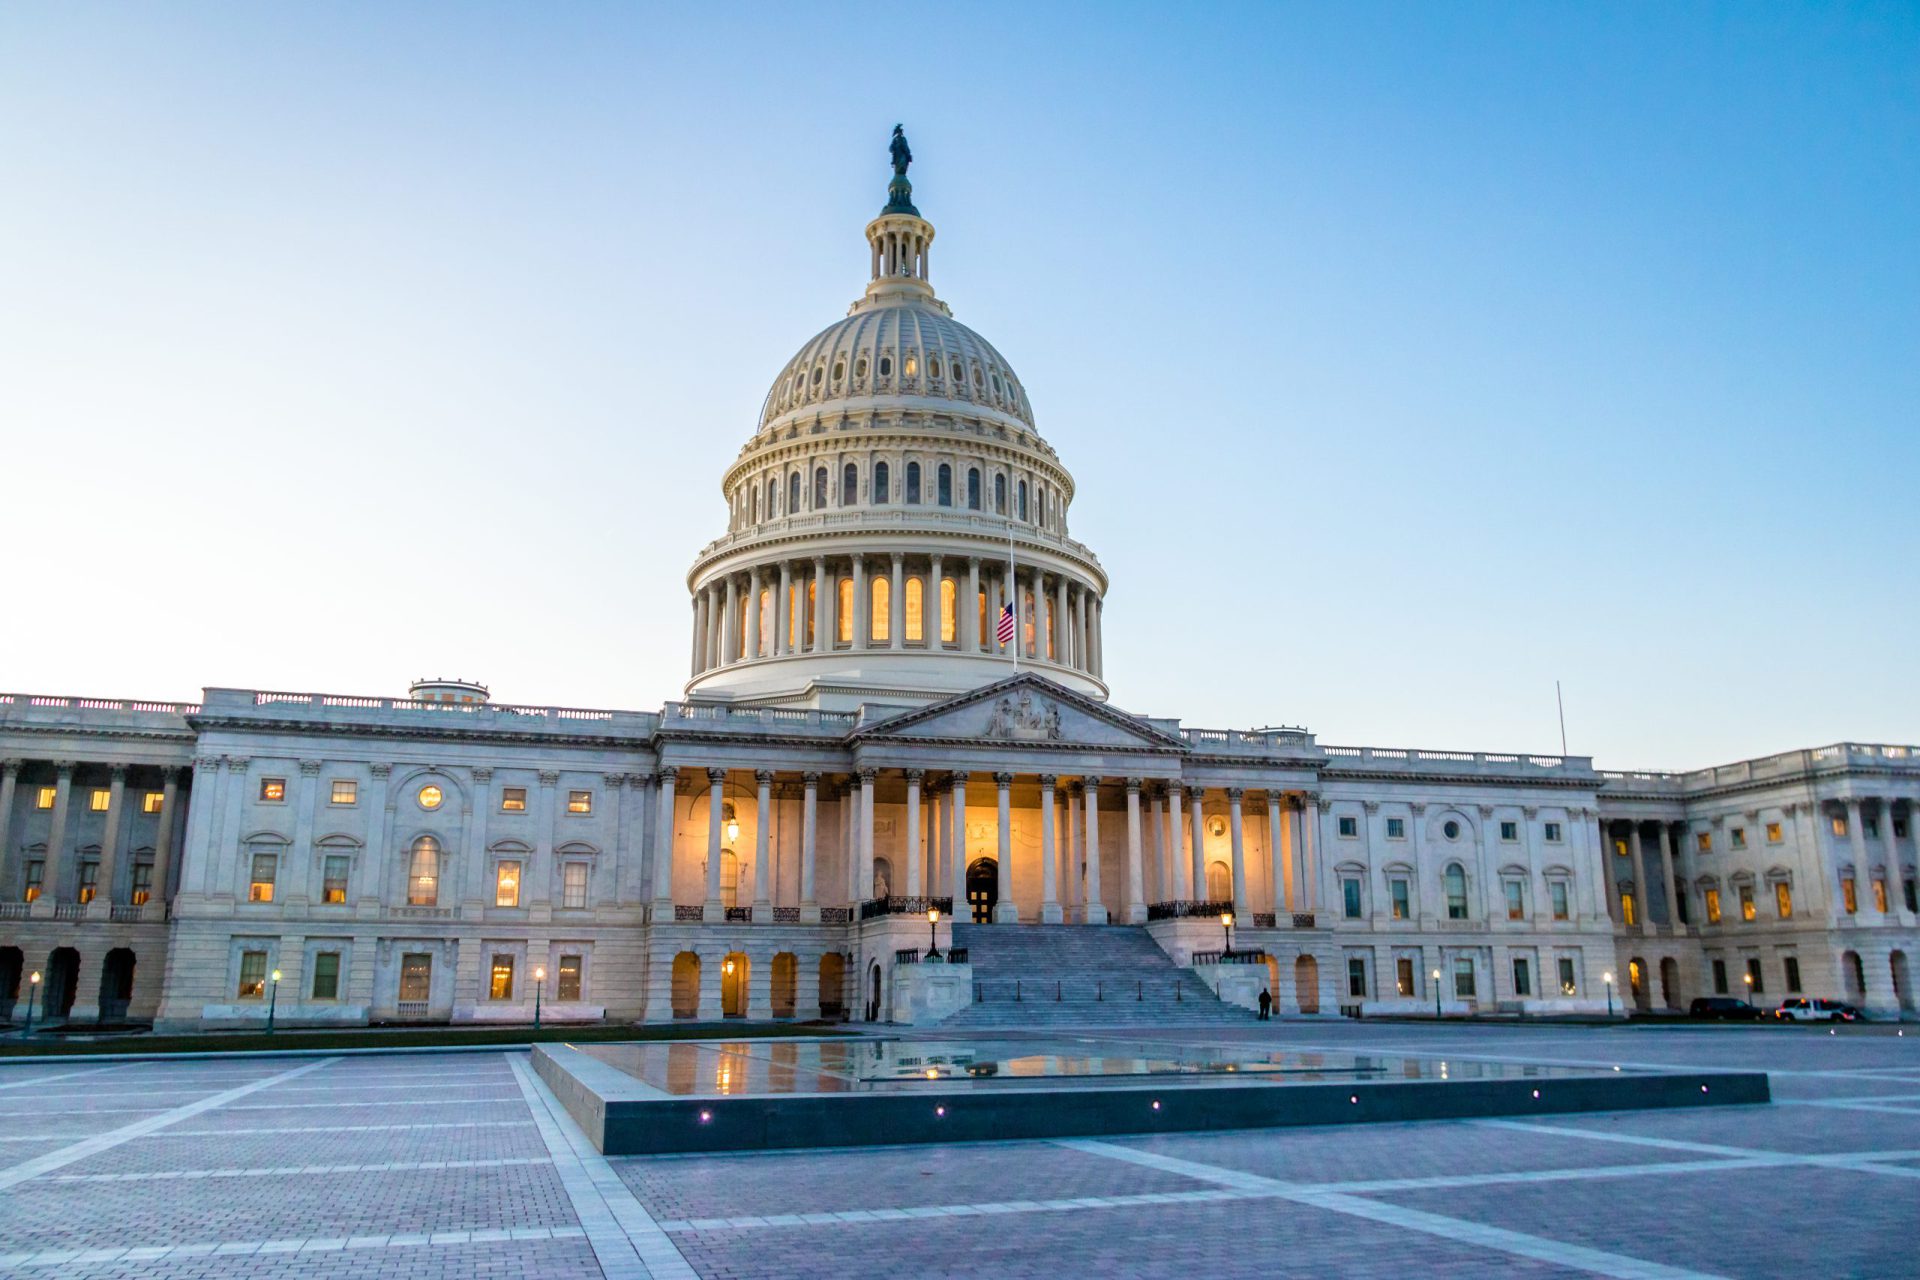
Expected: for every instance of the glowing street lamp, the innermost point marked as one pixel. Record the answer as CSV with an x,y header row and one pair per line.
x,y
539,984
933,933
1226,922
1608,979
33,989
273,998
1436,993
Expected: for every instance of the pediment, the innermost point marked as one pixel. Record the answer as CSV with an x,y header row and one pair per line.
x,y
1027,710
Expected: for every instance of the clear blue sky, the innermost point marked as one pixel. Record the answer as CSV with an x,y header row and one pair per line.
x,y
1408,356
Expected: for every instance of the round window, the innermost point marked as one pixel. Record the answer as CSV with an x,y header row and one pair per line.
x,y
1218,826
430,797
1452,830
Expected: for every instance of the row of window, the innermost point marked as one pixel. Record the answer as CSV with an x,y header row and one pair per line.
x,y
942,373
1775,834
87,887
415,977
1755,978
1040,620
99,799
1042,504
345,793
1407,984
423,878
1349,829
1453,882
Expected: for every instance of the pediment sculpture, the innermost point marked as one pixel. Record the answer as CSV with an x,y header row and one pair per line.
x,y
1025,719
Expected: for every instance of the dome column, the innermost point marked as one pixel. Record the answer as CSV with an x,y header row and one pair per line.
x,y
862,604
1049,874
756,615
970,612
783,612
897,605
1004,910
910,851
825,599
1096,908
935,608
1061,630
730,625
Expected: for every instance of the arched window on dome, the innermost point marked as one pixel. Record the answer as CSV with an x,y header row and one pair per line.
x,y
913,484
773,497
916,611
944,479
755,516
793,494
819,488
886,366
973,488
1023,499
933,366
949,624
849,485
879,610
1000,493
881,474
844,629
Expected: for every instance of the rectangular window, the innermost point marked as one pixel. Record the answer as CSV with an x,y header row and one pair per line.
x,y
1849,898
506,884
1619,848
1402,906
142,883
567,987
1403,975
326,975
1522,977
1773,833
1558,892
1553,833
1396,828
501,985
1713,906
579,802
1839,825
1783,900
416,977
44,800
260,885
513,799
1357,977
1463,987
35,871
1703,841
1349,827
1909,892
1871,826
1747,911
273,790
333,878
253,975
573,885
1509,831
1755,985
1792,966
1879,896
1626,908
1568,985
1516,901
345,791
99,799
152,801
90,881
1719,977
1737,837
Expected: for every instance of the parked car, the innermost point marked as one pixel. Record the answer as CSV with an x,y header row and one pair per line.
x,y
1802,1009
1723,1009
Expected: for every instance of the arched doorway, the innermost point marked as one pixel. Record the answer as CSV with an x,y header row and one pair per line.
x,y
1219,882
733,985
116,985
874,1006
12,961
1670,983
63,975
1306,984
686,985
1902,981
1855,977
1637,982
833,985
983,888
786,981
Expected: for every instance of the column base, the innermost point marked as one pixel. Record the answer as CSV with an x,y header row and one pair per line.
x,y
1097,913
1050,913
713,911
660,911
1005,912
810,914
1137,913
763,914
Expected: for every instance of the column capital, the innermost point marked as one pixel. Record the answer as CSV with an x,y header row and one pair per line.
x,y
1134,786
1076,789
1529,812
763,775
549,776
1092,781
1047,780
614,780
811,777
867,773
1486,812
237,763
117,771
1003,780
481,774
1234,794
1173,788
1197,791
914,775
170,773
309,768
958,778
1324,804
381,770
10,765
717,777
1371,806
643,779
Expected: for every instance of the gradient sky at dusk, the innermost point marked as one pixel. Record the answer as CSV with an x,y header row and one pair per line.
x,y
1407,357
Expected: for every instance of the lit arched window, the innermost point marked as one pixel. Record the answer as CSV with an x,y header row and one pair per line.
x,y
746,620
980,633
729,879
1027,620
946,485
913,483
1023,499
1456,885
973,488
845,627
1000,494
793,493
849,485
819,488
1219,881
881,474
949,594
879,602
813,608
423,873
916,606
766,620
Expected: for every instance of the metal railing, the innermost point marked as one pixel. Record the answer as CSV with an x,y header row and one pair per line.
x,y
1304,919
836,915
1181,910
1255,956
874,908
411,1011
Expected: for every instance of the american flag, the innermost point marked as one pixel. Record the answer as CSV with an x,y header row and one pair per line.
x,y
1004,632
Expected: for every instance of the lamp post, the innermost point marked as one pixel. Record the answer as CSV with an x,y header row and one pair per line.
x,y
539,985
33,989
1226,922
933,933
1436,993
1608,979
1748,979
273,998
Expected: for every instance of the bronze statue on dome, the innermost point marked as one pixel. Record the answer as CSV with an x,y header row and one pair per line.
x,y
901,153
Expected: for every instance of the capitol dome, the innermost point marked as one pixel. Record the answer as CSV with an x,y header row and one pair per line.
x,y
893,500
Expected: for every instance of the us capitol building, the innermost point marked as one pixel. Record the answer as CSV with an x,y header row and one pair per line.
x,y
861,739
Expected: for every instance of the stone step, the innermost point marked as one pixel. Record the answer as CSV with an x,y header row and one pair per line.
x,y
1081,975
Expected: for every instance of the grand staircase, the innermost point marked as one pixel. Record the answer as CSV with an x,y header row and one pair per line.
x,y
1037,975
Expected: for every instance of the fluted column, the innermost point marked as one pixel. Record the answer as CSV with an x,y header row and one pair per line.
x,y
714,910
809,844
53,883
1057,624
1275,862
1896,880
1073,852
1004,910
1136,903
1097,648
957,846
783,611
102,904
9,783
1176,841
1194,798
1096,902
1241,908
699,631
826,599
1080,629
933,611
1640,877
910,852
756,614
662,911
762,825
897,605
1049,871
1160,871
862,605
163,839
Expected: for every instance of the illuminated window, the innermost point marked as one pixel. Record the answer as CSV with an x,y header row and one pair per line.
x,y
909,365
1522,977
1619,848
1848,897
1783,900
416,977
1839,825
882,474
1349,827
1879,896
272,790
949,602
1703,841
1773,833
44,800
1737,838
1456,886
579,802
90,882
1626,906
1028,620
1568,986
1553,833
36,872
879,618
980,629
500,986
260,882
345,791
916,607
253,975
100,798
1397,893
1396,828
1403,976
333,878
326,975
431,796
506,884
567,984
1713,906
142,883
573,885
152,801
513,799
1747,911
845,622
1516,900
1509,831
1557,892
423,873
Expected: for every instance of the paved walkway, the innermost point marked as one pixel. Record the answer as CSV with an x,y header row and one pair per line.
x,y
462,1165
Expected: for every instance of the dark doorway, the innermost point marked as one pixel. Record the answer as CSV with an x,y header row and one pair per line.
x,y
983,888
63,975
873,997
11,964
116,985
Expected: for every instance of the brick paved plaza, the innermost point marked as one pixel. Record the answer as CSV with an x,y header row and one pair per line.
x,y
460,1165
